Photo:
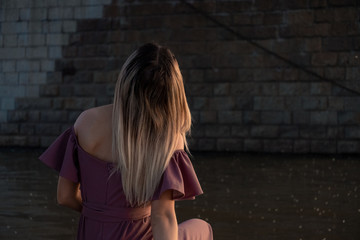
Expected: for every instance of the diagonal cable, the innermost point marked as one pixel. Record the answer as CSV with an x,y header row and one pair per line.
x,y
266,50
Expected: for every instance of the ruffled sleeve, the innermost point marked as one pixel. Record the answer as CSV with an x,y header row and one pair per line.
x,y
180,177
62,156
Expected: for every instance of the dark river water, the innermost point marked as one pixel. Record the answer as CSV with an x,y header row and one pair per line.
x,y
247,196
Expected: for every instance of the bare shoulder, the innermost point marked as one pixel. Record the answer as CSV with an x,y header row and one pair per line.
x,y
91,118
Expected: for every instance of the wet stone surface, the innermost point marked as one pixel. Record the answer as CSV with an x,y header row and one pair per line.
x,y
247,196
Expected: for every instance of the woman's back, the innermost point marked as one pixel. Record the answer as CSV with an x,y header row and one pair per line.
x,y
94,132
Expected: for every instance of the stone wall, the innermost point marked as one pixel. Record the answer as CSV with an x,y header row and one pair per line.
x,y
268,76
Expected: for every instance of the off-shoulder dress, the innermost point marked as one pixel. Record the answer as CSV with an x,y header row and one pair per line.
x,y
106,214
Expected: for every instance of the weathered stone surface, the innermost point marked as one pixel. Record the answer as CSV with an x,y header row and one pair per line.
x,y
59,58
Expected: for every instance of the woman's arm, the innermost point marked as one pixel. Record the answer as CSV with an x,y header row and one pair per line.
x,y
68,194
163,218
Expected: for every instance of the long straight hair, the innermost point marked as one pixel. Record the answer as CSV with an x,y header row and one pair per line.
x,y
150,111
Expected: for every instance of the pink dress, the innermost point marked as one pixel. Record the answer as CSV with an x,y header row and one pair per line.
x,y
106,213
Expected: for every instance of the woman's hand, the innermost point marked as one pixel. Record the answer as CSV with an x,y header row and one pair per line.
x,y
163,218
68,194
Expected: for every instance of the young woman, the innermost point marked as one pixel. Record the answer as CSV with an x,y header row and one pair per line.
x,y
123,165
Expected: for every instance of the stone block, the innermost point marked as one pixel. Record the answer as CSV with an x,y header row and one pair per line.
x,y
278,145
332,44
12,53
53,116
35,27
68,13
312,44
253,145
12,15
335,73
56,13
352,132
221,89
7,103
36,52
207,144
240,131
336,132
301,117
346,146
229,144
69,26
289,131
57,39
27,66
320,88
31,40
47,129
72,3
47,66
221,103
265,131
301,146
349,117
32,78
217,131
198,130
79,103
268,103
9,128
46,141
275,117
55,52
199,89
32,141
313,132
324,59
54,77
32,91
10,40
88,12
324,117
244,103
245,74
90,90
10,79
18,116
3,116
58,103
323,146
245,89
314,103
293,103
208,117
54,27
32,103
221,74
8,66
353,73
35,14
14,27
73,115
251,117
291,89
351,103
66,90
12,91
267,74
230,117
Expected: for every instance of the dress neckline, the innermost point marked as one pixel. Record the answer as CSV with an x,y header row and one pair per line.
x,y
98,159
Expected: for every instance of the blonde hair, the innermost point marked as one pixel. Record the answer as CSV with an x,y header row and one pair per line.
x,y
150,110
